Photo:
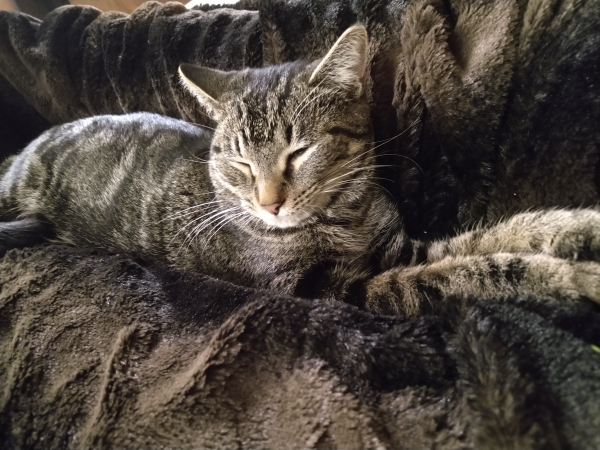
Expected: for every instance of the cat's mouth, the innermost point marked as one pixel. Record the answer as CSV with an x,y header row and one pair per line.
x,y
285,218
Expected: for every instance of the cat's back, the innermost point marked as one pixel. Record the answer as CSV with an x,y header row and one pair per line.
x,y
101,151
86,144
146,132
101,179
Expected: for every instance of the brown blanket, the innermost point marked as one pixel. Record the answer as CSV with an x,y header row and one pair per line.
x,y
498,107
99,352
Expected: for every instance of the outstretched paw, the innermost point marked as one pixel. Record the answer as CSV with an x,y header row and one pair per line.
x,y
579,235
397,291
586,279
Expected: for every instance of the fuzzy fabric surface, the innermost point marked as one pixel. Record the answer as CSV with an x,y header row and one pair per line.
x,y
486,108
97,351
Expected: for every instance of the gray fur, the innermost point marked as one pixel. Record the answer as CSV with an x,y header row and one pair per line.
x,y
147,185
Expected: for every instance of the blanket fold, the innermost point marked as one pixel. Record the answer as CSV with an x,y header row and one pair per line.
x,y
97,351
80,62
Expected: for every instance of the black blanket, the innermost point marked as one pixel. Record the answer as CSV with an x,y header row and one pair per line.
x,y
497,107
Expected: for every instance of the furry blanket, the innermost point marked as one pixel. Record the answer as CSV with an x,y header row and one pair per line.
x,y
493,107
99,352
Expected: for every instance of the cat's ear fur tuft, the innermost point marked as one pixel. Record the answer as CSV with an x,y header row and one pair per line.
x,y
345,63
207,85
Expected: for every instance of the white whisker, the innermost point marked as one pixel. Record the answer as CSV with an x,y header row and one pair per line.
x,y
304,99
203,126
199,161
221,224
211,214
186,211
206,222
350,172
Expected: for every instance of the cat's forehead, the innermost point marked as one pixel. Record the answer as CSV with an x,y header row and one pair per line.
x,y
275,101
258,116
264,106
261,112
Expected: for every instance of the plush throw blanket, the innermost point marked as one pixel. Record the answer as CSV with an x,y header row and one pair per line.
x,y
493,107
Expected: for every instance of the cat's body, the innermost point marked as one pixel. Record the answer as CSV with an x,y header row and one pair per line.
x,y
139,184
282,196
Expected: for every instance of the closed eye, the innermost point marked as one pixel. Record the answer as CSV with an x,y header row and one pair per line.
x,y
242,166
292,156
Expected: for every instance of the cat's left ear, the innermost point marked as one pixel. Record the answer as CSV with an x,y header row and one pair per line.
x,y
344,65
207,85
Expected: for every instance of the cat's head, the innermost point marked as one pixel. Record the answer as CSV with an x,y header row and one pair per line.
x,y
292,142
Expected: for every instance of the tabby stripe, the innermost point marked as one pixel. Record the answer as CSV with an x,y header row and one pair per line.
x,y
349,133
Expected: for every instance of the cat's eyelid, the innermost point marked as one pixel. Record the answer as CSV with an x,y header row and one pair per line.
x,y
299,145
299,160
243,164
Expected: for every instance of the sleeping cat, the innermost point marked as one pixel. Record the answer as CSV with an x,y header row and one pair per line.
x,y
282,195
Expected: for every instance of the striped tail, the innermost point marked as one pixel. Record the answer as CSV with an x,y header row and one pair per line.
x,y
23,233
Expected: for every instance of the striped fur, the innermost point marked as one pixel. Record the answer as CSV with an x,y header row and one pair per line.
x,y
168,191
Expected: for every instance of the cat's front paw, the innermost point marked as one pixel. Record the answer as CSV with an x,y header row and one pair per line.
x,y
578,237
393,292
586,280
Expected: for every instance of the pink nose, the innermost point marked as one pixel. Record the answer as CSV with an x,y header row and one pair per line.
x,y
273,208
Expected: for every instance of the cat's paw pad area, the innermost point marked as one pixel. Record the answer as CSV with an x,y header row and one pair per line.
x,y
580,238
586,279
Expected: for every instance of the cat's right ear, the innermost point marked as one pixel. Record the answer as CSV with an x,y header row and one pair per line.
x,y
207,85
344,65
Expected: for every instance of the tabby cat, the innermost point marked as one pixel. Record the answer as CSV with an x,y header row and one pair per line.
x,y
282,195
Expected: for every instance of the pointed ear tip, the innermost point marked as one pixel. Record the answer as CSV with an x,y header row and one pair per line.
x,y
184,68
181,70
356,36
358,30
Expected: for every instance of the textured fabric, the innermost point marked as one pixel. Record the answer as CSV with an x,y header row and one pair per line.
x,y
99,352
497,107
81,62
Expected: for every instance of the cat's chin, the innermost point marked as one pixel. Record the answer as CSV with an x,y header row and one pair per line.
x,y
289,220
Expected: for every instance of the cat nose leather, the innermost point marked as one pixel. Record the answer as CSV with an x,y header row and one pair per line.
x,y
273,208
270,196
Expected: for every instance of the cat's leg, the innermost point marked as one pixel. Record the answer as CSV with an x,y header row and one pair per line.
x,y
570,234
22,233
411,290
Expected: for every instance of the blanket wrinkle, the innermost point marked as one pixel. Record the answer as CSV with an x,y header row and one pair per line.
x,y
93,65
541,108
134,369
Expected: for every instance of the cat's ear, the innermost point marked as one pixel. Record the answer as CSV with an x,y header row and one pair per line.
x,y
207,85
344,65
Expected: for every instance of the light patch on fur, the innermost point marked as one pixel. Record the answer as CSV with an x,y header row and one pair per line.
x,y
242,147
19,166
297,162
118,176
285,218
